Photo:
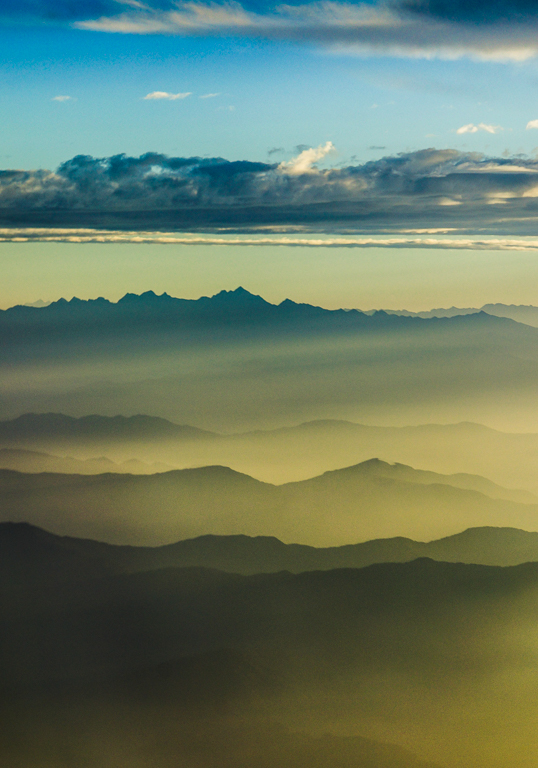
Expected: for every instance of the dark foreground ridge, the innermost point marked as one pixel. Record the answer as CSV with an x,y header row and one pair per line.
x,y
203,668
168,612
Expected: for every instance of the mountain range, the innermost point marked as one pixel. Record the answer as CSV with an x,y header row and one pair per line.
x,y
365,501
193,584
234,362
521,313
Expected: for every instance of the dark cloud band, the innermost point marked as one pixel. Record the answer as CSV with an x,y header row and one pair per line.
x,y
426,189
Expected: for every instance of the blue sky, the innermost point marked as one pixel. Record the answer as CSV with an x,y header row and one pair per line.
x,y
271,95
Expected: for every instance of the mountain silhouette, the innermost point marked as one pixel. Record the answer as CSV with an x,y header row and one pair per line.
x,y
35,461
58,426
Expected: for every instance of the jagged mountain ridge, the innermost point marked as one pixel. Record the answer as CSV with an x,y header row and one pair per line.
x,y
236,362
132,313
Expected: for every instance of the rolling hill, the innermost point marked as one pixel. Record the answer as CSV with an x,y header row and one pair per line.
x,y
29,554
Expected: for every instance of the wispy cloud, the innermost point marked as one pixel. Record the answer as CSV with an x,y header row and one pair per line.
x,y
62,98
471,128
157,95
466,192
414,28
209,95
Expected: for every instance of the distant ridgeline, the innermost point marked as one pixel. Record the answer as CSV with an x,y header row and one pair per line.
x,y
228,312
521,313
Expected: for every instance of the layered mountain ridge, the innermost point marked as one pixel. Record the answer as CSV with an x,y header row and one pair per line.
x,y
369,500
276,456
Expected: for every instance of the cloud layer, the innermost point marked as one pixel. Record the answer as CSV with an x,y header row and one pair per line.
x,y
504,30
428,189
28,235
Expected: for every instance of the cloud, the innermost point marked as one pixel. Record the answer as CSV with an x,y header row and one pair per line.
x,y
208,95
465,192
471,128
305,160
532,124
156,95
62,98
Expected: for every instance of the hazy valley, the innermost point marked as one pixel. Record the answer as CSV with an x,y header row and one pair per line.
x,y
274,456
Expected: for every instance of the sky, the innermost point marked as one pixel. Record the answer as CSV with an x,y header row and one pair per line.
x,y
381,278
402,120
